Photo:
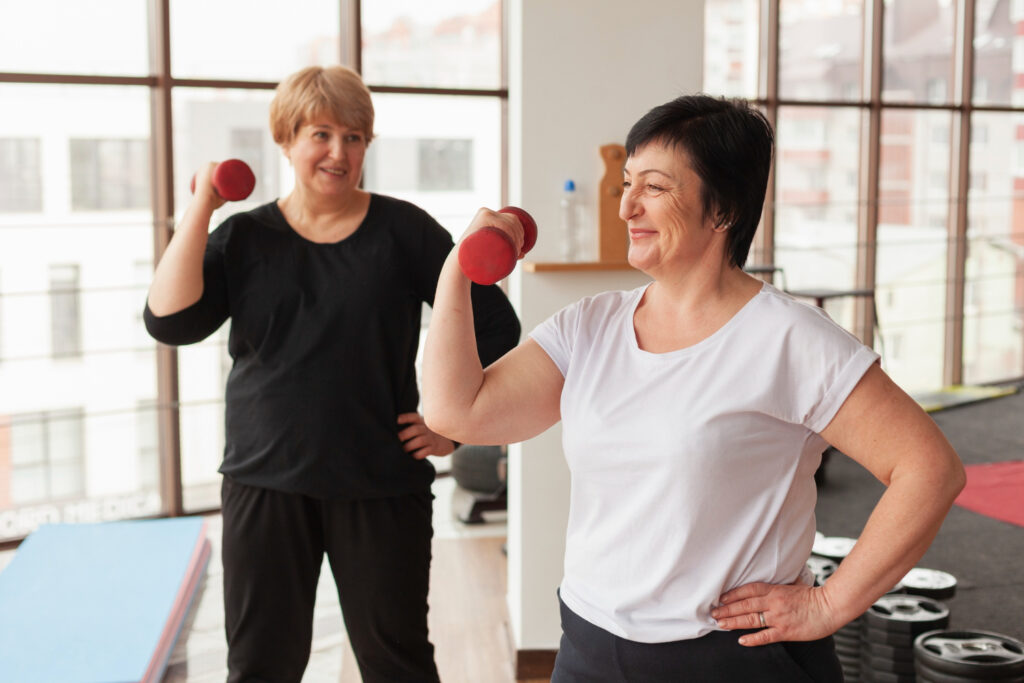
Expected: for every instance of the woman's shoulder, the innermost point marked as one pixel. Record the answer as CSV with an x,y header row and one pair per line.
x,y
600,308
387,207
776,310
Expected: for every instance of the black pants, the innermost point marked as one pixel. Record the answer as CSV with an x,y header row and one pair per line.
x,y
379,553
589,654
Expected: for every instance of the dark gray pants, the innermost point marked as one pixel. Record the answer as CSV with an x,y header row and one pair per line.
x,y
379,554
589,654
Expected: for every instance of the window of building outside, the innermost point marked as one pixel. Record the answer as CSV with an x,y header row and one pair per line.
x,y
65,313
77,195
110,174
899,238
21,180
46,456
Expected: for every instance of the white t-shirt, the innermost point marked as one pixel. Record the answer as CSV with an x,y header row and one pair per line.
x,y
692,471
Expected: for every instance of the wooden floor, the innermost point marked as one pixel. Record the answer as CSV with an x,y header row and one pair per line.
x,y
468,614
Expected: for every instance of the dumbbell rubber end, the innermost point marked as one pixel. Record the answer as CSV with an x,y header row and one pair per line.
x,y
529,226
233,179
487,256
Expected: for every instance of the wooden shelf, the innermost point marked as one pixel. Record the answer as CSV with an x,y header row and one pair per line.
x,y
570,266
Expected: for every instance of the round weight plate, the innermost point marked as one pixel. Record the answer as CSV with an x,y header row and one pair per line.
x,y
928,675
878,636
931,583
881,664
910,614
899,653
849,641
833,547
821,567
975,654
886,677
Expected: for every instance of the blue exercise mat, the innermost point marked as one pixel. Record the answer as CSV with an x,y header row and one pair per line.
x,y
91,603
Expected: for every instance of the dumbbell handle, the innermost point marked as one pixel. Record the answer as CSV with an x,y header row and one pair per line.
x,y
232,180
488,255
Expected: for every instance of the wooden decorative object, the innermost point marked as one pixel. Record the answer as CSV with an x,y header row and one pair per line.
x,y
613,240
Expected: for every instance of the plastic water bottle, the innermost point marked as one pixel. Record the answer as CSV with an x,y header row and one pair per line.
x,y
571,223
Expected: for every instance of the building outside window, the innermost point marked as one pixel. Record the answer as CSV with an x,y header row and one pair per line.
x,y
65,311
46,456
109,174
21,177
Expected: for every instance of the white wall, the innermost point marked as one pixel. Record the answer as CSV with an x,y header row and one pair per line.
x,y
581,72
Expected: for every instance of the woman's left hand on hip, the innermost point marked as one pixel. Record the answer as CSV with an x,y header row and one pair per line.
x,y
419,440
781,612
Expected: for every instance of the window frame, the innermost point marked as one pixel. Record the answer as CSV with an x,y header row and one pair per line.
x,y
161,84
960,105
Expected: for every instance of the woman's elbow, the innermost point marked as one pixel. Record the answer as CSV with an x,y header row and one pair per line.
x,y
441,422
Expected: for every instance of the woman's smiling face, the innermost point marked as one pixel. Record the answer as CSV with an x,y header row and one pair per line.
x,y
327,157
661,204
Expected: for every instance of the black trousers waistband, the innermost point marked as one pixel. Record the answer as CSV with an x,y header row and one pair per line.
x,y
589,654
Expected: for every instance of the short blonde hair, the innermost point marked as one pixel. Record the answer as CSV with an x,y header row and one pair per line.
x,y
336,92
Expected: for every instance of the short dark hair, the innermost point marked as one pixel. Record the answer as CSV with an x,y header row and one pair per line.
x,y
729,145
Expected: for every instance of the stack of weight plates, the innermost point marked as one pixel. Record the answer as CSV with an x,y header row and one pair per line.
x,y
890,627
931,583
821,567
968,657
847,640
827,553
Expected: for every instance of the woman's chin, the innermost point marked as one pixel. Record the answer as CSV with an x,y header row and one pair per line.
x,y
639,257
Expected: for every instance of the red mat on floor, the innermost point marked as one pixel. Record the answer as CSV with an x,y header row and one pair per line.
x,y
995,490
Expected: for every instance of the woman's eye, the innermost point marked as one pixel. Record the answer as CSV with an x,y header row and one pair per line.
x,y
655,188
626,184
320,135
353,138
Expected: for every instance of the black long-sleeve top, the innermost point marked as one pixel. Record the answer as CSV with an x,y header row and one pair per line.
x,y
324,340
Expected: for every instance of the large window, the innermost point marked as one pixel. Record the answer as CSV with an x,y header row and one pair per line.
x,y
899,169
108,111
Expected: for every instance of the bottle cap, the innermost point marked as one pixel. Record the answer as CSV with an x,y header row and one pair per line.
x,y
570,186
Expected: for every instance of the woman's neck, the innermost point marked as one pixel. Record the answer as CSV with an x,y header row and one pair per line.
x,y
324,219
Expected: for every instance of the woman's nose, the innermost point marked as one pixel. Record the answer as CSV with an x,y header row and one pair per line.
x,y
628,206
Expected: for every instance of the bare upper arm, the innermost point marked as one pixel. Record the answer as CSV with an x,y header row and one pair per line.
x,y
882,428
519,398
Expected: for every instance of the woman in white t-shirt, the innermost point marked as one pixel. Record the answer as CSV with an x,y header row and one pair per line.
x,y
694,413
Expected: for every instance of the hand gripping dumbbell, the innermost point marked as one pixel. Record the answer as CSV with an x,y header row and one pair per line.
x,y
232,180
488,255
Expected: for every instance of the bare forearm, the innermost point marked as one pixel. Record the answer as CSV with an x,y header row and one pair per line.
x,y
452,373
902,526
178,279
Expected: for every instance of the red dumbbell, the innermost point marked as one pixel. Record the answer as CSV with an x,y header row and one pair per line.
x,y
232,180
488,255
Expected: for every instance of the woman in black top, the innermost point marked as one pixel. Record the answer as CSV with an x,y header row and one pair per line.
x,y
325,450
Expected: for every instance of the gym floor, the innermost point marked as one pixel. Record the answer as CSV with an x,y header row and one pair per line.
x,y
985,555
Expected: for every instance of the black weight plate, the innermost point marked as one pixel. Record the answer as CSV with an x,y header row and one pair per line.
x,y
931,583
878,636
927,675
912,614
898,653
848,644
887,677
843,650
976,654
876,663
